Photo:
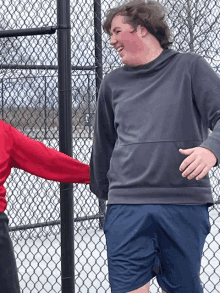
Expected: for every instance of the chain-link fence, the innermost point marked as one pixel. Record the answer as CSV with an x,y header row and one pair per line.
x,y
29,102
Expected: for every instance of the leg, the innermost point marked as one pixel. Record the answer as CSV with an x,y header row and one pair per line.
x,y
181,235
130,248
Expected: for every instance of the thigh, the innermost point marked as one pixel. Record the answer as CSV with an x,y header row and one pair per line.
x,y
8,270
129,231
181,236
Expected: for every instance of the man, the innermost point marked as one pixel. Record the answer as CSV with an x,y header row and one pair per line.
x,y
19,151
152,154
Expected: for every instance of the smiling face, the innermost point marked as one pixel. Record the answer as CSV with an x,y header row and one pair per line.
x,y
128,43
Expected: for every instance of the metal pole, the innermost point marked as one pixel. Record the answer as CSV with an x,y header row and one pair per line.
x,y
28,32
65,143
2,101
42,67
99,74
98,43
52,223
45,106
89,110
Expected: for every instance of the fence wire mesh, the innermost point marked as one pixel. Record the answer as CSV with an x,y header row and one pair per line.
x,y
29,102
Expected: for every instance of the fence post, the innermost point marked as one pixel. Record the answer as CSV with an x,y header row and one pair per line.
x,y
98,44
2,100
65,143
99,74
89,106
45,107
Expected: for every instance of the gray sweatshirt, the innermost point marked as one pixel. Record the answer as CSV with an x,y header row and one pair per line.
x,y
145,114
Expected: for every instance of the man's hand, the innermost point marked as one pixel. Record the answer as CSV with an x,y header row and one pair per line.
x,y
198,163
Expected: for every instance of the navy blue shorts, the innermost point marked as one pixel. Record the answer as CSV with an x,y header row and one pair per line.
x,y
166,241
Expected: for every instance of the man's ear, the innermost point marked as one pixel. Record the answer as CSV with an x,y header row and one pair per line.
x,y
142,31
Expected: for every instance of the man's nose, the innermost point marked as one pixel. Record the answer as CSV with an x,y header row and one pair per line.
x,y
112,40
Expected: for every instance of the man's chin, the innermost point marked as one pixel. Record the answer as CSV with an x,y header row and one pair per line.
x,y
133,61
126,62
129,61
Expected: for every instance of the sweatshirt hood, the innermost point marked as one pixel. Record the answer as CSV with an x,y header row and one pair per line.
x,y
157,63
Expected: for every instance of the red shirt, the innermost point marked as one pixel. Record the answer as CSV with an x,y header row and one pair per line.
x,y
22,152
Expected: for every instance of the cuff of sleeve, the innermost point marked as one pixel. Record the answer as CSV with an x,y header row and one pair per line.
x,y
101,194
214,146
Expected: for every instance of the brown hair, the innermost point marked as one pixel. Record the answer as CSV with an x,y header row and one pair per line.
x,y
149,14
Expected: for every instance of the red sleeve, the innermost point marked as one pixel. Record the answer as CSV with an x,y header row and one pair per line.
x,y
34,157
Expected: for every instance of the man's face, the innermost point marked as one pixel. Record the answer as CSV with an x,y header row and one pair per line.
x,y
128,43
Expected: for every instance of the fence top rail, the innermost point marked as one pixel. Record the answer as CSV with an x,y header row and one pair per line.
x,y
28,32
42,67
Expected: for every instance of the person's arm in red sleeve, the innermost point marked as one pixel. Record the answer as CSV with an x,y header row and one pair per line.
x,y
34,157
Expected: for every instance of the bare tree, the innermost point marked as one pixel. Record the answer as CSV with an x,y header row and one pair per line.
x,y
195,25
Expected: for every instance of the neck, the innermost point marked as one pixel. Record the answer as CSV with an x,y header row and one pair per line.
x,y
149,50
150,54
147,55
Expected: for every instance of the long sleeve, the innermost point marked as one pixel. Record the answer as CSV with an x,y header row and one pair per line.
x,y
34,157
103,144
206,89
